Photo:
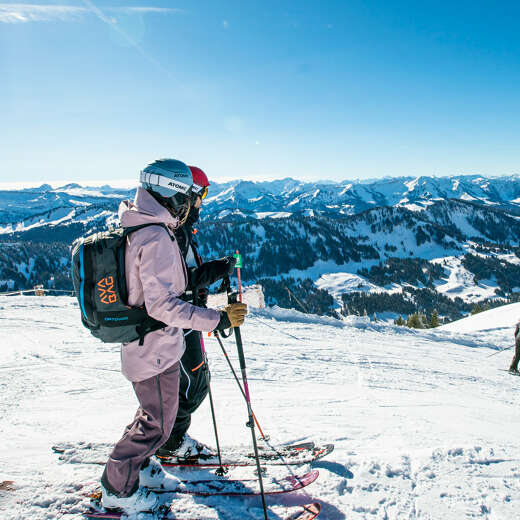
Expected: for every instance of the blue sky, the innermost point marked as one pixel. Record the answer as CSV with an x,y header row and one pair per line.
x,y
93,90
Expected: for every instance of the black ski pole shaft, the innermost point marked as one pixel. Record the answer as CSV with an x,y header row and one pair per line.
x,y
220,471
274,328
501,350
251,422
238,382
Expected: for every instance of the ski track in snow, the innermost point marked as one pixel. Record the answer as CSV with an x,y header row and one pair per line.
x,y
425,424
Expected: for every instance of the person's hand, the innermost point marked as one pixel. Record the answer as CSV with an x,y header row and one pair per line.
x,y
227,264
210,272
236,312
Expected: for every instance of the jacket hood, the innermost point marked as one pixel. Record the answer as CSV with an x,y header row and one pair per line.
x,y
145,210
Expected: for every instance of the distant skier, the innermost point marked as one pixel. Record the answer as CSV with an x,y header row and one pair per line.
x,y
193,372
514,364
156,276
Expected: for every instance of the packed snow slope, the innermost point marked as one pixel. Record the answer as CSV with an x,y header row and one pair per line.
x,y
505,317
424,422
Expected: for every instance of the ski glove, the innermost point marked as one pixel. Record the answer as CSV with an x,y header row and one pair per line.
x,y
233,316
231,261
210,272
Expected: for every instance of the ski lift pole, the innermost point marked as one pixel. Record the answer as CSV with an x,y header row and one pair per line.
x,y
251,422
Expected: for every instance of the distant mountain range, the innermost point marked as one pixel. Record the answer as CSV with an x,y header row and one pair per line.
x,y
44,206
453,239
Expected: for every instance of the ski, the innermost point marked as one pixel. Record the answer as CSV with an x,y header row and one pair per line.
x,y
286,455
231,488
510,372
305,512
89,453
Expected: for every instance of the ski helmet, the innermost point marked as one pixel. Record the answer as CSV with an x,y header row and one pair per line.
x,y
200,182
170,182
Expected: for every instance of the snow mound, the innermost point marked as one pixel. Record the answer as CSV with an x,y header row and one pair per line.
x,y
505,317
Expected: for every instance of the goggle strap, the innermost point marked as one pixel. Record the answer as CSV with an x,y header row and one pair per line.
x,y
155,179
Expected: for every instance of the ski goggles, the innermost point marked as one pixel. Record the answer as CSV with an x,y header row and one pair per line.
x,y
199,191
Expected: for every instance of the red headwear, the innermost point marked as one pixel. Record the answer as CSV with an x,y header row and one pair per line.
x,y
200,179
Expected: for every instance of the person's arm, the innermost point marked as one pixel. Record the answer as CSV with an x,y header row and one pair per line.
x,y
161,271
210,272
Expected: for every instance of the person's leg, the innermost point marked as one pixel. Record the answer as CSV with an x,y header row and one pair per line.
x,y
516,358
158,399
193,389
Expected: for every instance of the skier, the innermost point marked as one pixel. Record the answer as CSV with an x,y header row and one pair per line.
x,y
156,276
514,364
193,371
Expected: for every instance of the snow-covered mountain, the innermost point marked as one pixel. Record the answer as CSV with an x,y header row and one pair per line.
x,y
454,239
26,209
424,422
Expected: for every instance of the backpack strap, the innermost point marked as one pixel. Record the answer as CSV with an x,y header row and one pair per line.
x,y
146,324
131,229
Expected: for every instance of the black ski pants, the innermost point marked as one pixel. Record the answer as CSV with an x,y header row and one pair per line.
x,y
193,387
516,358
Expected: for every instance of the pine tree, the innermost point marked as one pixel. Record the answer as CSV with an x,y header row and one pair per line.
x,y
476,309
415,321
434,321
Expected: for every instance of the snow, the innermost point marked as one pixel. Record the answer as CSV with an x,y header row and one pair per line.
x,y
273,214
424,422
86,192
411,185
345,189
339,283
461,283
466,196
505,317
413,207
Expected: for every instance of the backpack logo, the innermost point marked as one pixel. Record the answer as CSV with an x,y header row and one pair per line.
x,y
106,290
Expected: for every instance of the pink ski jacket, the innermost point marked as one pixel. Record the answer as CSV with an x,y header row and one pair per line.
x,y
156,276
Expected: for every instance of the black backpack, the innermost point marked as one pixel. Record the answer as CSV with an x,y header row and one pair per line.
x,y
98,272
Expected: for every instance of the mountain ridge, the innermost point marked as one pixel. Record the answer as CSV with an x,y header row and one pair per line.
x,y
400,234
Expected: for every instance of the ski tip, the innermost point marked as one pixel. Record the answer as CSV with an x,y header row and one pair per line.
x,y
310,477
324,450
309,512
301,481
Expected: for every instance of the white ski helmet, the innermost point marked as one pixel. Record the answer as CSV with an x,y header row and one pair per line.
x,y
170,182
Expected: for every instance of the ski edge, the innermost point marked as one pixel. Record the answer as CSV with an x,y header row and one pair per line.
x,y
309,512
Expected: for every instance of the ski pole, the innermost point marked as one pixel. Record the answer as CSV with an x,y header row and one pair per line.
x,y
501,350
221,470
238,266
274,328
251,422
221,343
